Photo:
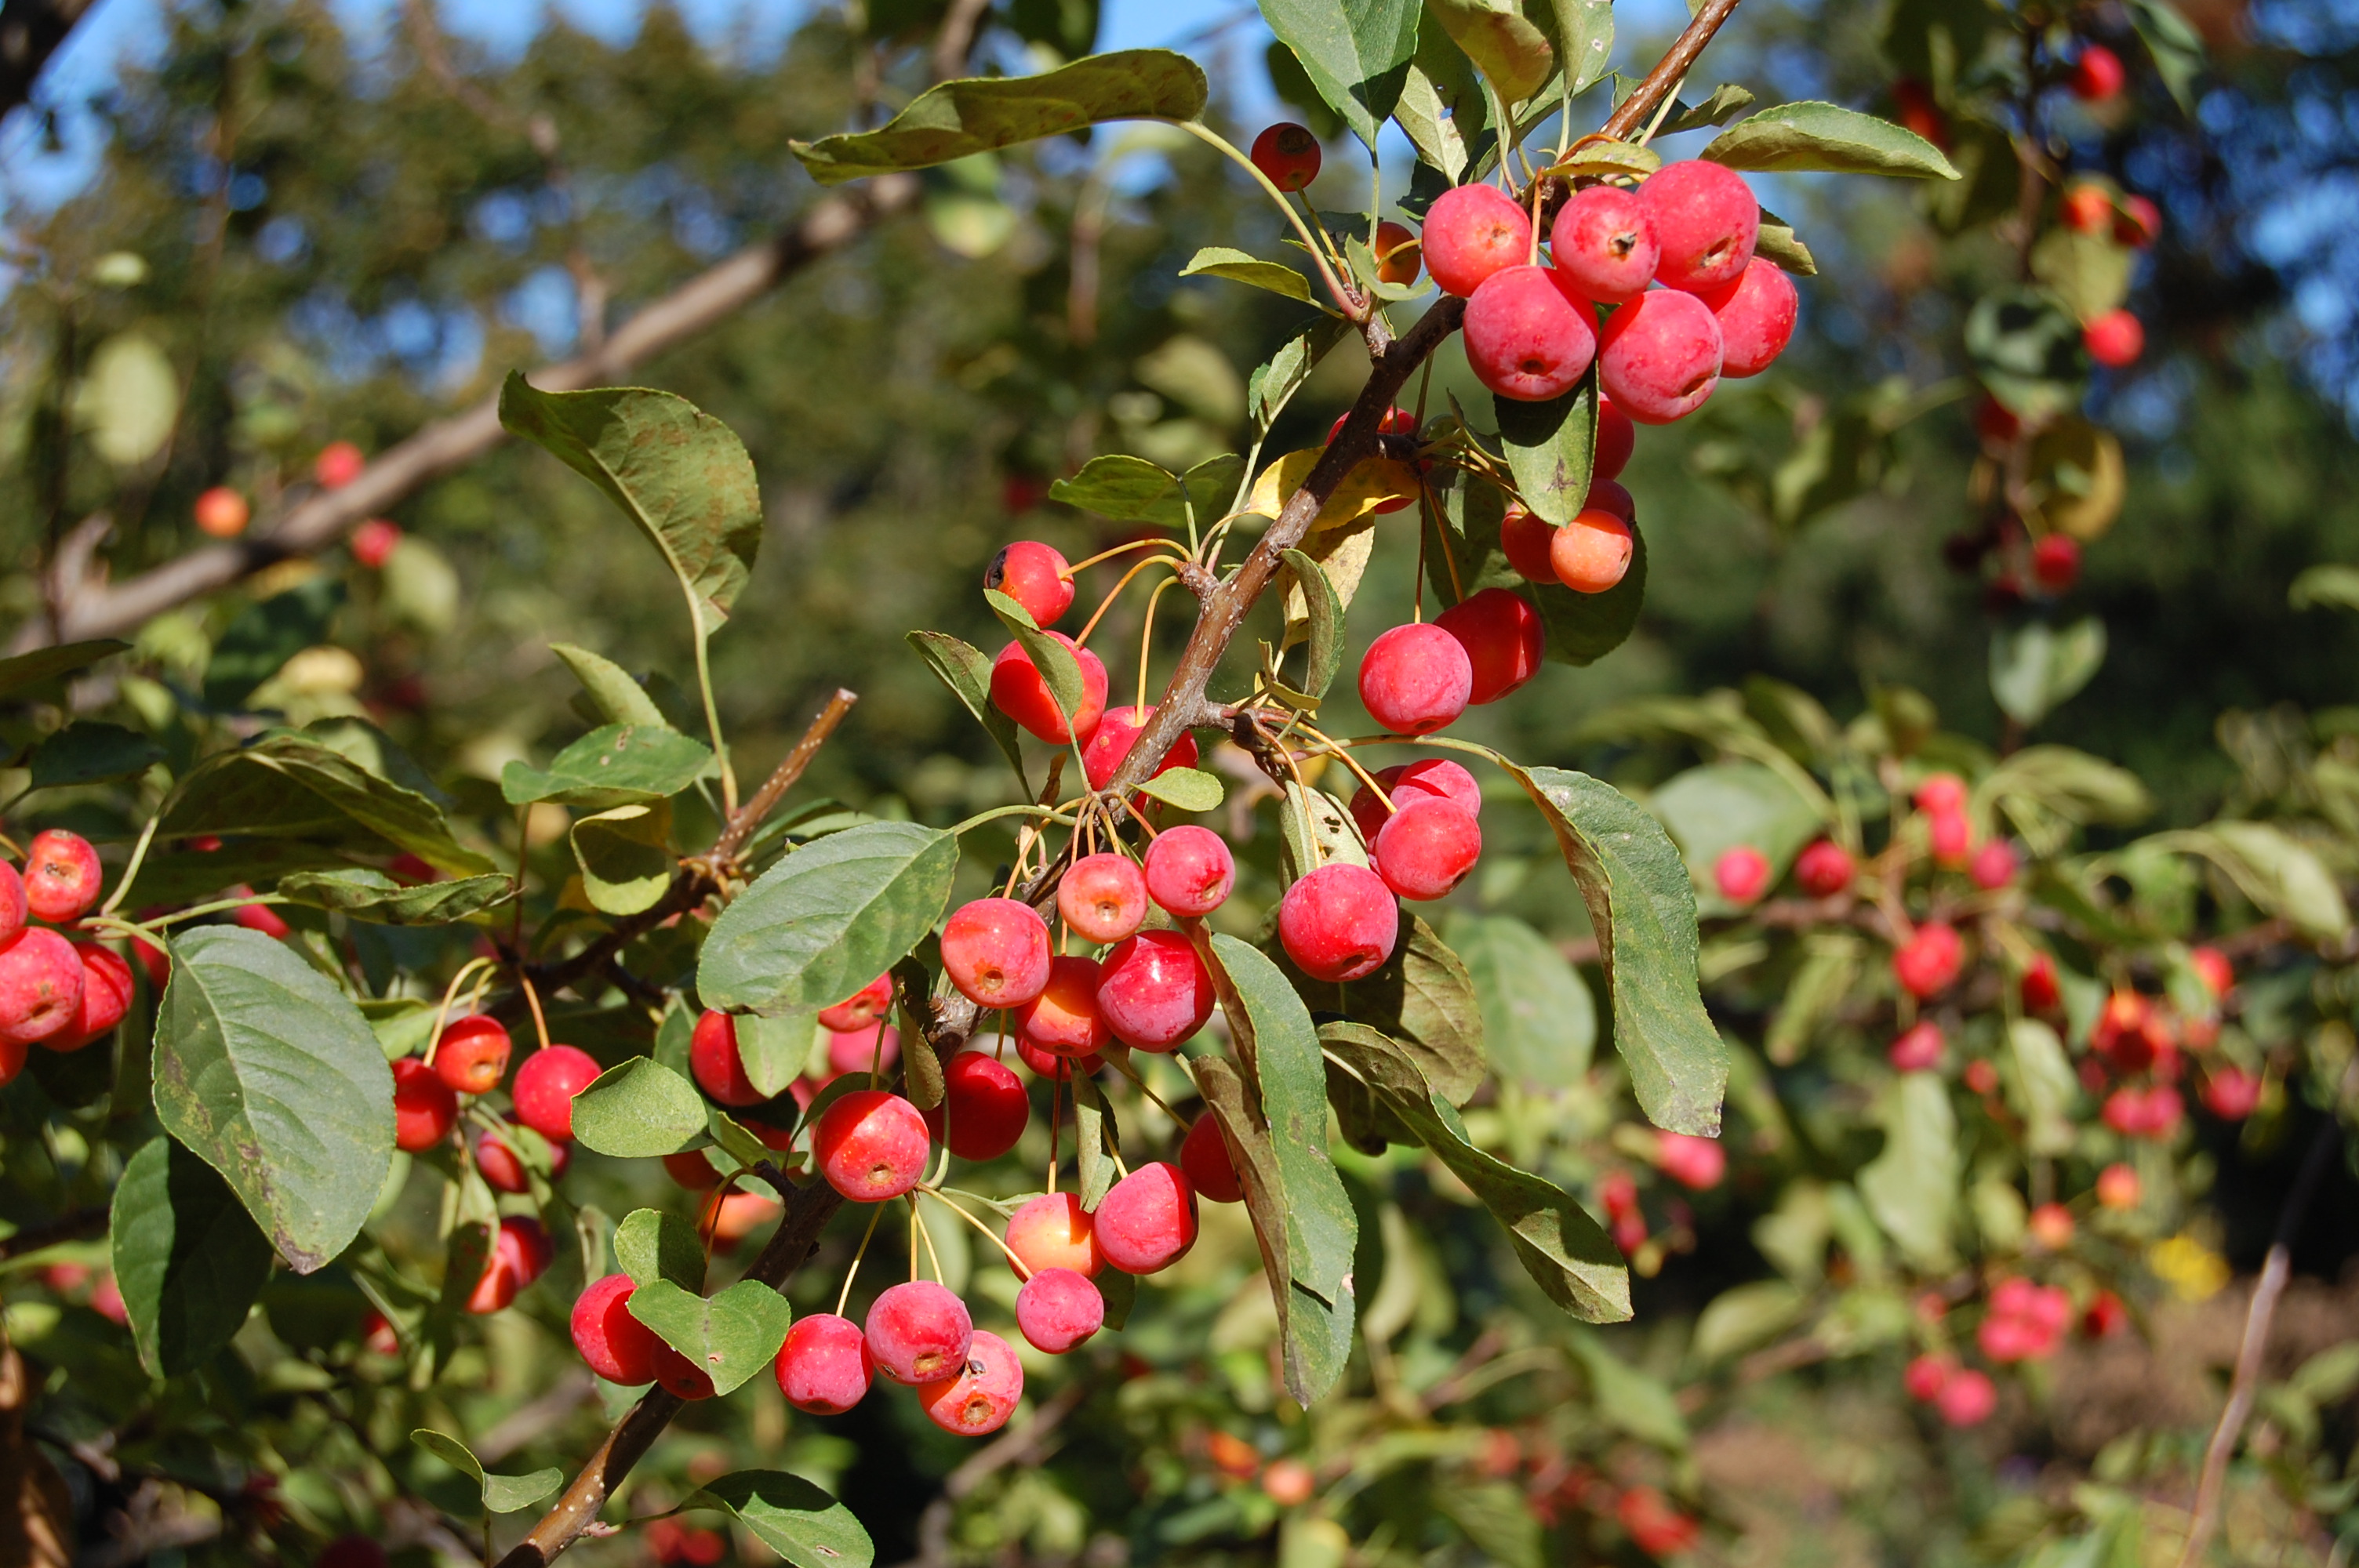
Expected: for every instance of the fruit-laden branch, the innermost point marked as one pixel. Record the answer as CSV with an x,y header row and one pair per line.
x,y
30,32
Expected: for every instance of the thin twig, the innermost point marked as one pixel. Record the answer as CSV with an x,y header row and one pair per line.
x,y
1664,78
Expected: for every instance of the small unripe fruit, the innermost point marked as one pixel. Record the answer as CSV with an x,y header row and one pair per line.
x,y
871,1145
1524,339
106,987
1823,870
337,464
1603,247
62,878
1190,871
1287,155
1339,923
862,1009
2114,340
1117,732
1058,1309
1153,991
1918,1049
1063,1020
424,1107
1034,576
1592,552
1053,1231
995,951
1696,1164
980,1397
1704,222
1525,538
1742,873
502,1168
985,1105
545,1087
1617,440
1399,258
41,978
1471,232
1756,315
1967,1399
1426,848
1146,1221
1994,865
221,512
473,1054
917,1331
824,1367
1414,679
1428,777
2056,562
1103,896
2085,209
1928,961
1205,1161
373,542
1659,357
1019,691
2098,74
1501,633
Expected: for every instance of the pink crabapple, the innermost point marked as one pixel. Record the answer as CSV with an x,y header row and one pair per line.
x,y
337,464
1994,865
995,951
1118,730
1602,245
1103,896
62,878
1190,871
824,1367
714,1061
424,1107
862,1008
1435,777
1057,1309
1524,339
375,541
860,1050
2118,1187
1036,576
1918,1048
1153,990
1053,1231
1968,1399
1592,552
1704,222
1524,539
1426,848
473,1054
917,1331
1146,1221
1501,633
1755,316
1287,155
1606,495
1928,960
1659,357
1021,692
545,1085
871,1145
2051,1226
984,1108
1617,439
13,907
1742,873
2098,74
2114,339
1417,679
1339,923
982,1394
1064,1019
1205,1161
1473,232
1697,1163
1823,870
106,987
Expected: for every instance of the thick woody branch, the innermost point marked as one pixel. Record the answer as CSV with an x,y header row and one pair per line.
x,y
1669,72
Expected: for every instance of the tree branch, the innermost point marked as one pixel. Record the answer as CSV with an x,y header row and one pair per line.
x,y
30,32
1669,72
80,1225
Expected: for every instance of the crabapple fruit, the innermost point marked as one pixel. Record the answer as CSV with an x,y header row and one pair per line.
x,y
1414,679
1036,576
1471,232
871,1145
1913,105
2098,74
2051,1226
1153,990
917,1331
1697,1163
1288,155
714,1059
424,1107
1190,871
221,512
1501,633
1926,1377
1742,873
1057,1067
618,1346
1436,777
691,1170
1617,440
521,1252
862,1008
1592,552
1058,1309
1118,730
1063,1020
1146,1221
473,1054
1704,222
2118,1187
62,878
373,542
2114,340
824,1367
1524,339
1205,1161
730,1218
866,1049
984,1108
996,950
2231,1094
1918,1049
1053,1231
337,464
1942,795
1426,848
2039,989
1602,245
1930,960
1103,896
1823,870
1980,1076
1339,923
2085,209
41,978
1659,357
545,1087
105,997
1755,316
13,906
503,1169
982,1394
2056,562
1399,257
1952,837
1021,692
1606,495
2212,968
1994,865
1524,539
13,1054
2138,223
260,917
1968,1399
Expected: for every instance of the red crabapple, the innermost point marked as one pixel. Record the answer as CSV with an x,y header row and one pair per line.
x,y
1471,232
1053,1231
105,998
2085,209
1289,1483
996,950
337,464
1057,1067
1930,960
2106,1316
2231,1094
1617,440
503,1169
1968,1399
1063,1020
730,1216
41,978
871,1145
1036,576
1742,873
824,1367
1756,315
2118,1187
1942,795
1704,222
1020,691
13,1054
1918,1048
1524,539
1995,423
862,1008
261,917
917,1331
373,542
2050,1227
1697,1163
1398,256
2039,989
13,908
2212,968
2114,340
520,1254
1103,896
1339,923
980,1396
1605,495
2056,562
2098,74
1524,339
1603,247
1658,356
1153,991
1823,870
1415,679
545,1085
1434,777
866,1049
1117,732
1058,1309
1501,633
1927,1375
1994,865
221,512
618,1346
1913,104
473,1054
1146,1221
2138,223
986,1104
1190,871
713,1058
1951,838
1205,1161
1980,1076
62,878
1288,155
691,1170
424,1107
1592,552
1426,848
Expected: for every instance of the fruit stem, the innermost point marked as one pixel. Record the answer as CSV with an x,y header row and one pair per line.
x,y
450,995
1349,300
1069,573
917,1219
711,709
130,871
853,1272
1146,634
934,1191
1127,1071
1663,110
532,1000
1174,562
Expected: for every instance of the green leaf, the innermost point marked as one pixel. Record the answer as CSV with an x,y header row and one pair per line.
x,y
774,1050
1324,611
1095,1140
1566,1252
1778,241
2278,875
502,1494
641,1109
1607,158
2176,48
2036,668
1441,105
187,1260
1187,789
1220,261
791,1517
731,1335
1356,56
678,473
1423,1000
1538,1023
1118,486
2090,272
2332,587
2025,347
1497,1518
966,670
1811,135
1584,44
1712,809
1642,906
626,857
1314,828
266,635
651,1245
1551,447
736,1144
28,670
1630,1398
290,786
368,894
2042,1086
88,752
614,764
828,919
1744,1316
1911,1188
959,119
1059,669
1271,386
1511,52
618,698
270,1075
1727,102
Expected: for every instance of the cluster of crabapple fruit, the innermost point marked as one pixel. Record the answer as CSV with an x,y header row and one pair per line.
x,y
55,993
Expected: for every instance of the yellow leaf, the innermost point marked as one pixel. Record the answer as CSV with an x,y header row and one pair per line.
x,y
1374,483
